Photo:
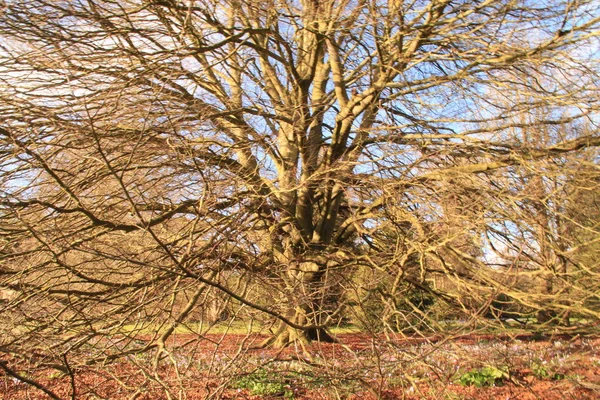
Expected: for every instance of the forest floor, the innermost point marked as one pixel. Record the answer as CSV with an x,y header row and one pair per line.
x,y
231,366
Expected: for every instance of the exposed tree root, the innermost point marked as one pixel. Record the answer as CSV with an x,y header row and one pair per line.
x,y
287,336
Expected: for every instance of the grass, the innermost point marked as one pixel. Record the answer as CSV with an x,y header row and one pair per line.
x,y
337,330
240,328
235,327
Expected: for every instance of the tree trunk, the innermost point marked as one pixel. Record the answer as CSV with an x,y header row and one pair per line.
x,y
286,335
305,288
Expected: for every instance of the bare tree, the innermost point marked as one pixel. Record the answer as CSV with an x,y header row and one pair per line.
x,y
537,232
151,150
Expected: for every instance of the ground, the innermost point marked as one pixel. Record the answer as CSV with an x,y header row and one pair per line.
x,y
474,366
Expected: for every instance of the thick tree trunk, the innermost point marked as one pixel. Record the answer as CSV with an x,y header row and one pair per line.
x,y
286,335
306,288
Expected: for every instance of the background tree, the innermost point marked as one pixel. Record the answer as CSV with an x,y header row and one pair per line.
x,y
543,244
152,150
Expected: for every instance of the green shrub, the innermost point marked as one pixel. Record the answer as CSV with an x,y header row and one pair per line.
x,y
541,372
487,376
262,383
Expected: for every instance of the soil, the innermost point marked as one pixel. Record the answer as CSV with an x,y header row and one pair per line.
x,y
359,367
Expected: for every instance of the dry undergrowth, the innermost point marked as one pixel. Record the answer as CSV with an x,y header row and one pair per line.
x,y
227,366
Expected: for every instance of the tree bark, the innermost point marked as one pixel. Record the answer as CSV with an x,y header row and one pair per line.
x,y
286,335
305,287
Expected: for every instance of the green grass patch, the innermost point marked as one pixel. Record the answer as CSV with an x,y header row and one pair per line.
x,y
236,327
336,330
